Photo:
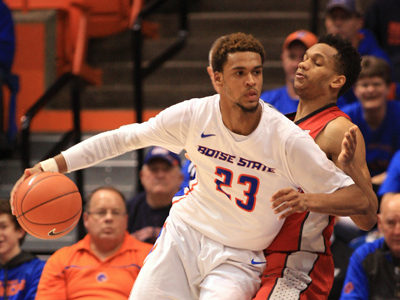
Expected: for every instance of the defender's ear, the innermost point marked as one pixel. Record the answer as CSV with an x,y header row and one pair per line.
x,y
338,82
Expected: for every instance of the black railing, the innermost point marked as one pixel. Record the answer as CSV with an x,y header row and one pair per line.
x,y
314,22
73,136
139,71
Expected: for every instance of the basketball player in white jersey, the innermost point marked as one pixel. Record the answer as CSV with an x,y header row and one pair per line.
x,y
254,168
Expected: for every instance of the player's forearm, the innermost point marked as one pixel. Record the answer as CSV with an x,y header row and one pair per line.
x,y
365,222
346,201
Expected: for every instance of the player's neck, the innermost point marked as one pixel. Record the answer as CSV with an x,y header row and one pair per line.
x,y
308,106
239,121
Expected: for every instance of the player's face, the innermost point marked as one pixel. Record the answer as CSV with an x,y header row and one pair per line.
x,y
161,179
106,220
342,22
371,92
240,82
389,224
291,58
9,238
315,73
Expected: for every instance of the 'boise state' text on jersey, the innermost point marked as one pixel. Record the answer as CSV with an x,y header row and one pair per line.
x,y
236,175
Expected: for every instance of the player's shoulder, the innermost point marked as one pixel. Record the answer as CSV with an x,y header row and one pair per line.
x,y
337,126
200,105
275,121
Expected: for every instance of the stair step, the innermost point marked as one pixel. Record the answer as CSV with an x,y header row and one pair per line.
x,y
270,27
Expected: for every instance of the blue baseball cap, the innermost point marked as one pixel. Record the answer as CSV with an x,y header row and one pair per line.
x,y
162,153
348,5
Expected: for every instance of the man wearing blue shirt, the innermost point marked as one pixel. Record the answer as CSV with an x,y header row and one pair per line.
x,y
374,268
295,46
344,17
20,271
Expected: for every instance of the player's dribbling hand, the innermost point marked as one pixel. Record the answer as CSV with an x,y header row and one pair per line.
x,y
349,145
27,173
288,201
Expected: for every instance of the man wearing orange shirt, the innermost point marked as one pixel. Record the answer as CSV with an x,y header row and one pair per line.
x,y
105,263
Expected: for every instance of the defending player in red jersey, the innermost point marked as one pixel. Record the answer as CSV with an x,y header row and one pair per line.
x,y
299,261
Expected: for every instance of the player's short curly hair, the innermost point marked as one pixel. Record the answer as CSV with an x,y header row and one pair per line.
x,y
347,60
232,43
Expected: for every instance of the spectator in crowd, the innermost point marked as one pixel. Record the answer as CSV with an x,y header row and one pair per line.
x,y
391,184
105,263
345,17
374,268
19,270
284,98
383,19
377,118
161,178
7,52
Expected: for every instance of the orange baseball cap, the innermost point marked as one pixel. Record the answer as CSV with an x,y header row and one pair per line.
x,y
306,37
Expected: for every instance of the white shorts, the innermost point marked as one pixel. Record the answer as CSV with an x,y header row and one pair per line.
x,y
186,265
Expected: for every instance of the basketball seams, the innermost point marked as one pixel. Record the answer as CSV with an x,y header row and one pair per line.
x,y
30,188
63,221
56,216
48,201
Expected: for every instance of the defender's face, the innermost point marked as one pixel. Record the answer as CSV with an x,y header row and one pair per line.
x,y
316,72
240,82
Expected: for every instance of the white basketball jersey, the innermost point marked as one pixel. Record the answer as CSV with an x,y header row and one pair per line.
x,y
235,175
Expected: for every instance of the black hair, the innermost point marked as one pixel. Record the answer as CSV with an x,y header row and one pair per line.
x,y
232,43
347,60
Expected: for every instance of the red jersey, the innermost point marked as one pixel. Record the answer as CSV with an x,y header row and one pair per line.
x,y
303,243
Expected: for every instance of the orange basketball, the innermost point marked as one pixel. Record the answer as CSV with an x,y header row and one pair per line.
x,y
48,205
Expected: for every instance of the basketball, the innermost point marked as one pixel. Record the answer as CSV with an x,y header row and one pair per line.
x,y
47,205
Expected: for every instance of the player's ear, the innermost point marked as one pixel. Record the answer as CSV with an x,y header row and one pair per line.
x,y
338,82
218,78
